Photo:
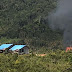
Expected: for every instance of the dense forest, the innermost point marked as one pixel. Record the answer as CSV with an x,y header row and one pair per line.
x,y
25,22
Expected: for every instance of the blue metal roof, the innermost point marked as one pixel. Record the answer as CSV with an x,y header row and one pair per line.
x,y
5,46
17,47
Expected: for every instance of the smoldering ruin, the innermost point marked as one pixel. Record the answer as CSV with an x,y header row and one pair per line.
x,y
61,18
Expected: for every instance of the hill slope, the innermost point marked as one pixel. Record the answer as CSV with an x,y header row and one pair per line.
x,y
24,21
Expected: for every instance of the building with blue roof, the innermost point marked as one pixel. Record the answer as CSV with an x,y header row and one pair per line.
x,y
4,46
17,47
21,49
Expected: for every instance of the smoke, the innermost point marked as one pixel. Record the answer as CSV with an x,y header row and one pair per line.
x,y
61,18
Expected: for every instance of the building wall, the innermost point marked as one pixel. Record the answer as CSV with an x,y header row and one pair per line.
x,y
26,50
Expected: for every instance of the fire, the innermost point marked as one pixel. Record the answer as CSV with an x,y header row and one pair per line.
x,y
68,49
41,55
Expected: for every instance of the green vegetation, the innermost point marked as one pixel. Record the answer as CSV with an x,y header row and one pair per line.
x,y
25,22
54,61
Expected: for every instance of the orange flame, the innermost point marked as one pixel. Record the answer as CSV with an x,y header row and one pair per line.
x,y
68,49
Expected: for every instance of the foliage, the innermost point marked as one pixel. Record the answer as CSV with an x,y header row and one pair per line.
x,y
25,22
54,61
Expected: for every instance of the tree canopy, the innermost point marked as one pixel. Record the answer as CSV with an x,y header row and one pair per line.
x,y
27,20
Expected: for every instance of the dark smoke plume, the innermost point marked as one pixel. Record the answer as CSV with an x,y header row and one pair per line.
x,y
61,18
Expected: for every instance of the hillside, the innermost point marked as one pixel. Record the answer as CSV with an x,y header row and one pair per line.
x,y
25,22
58,61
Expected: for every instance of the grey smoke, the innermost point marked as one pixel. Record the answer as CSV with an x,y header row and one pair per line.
x,y
61,18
